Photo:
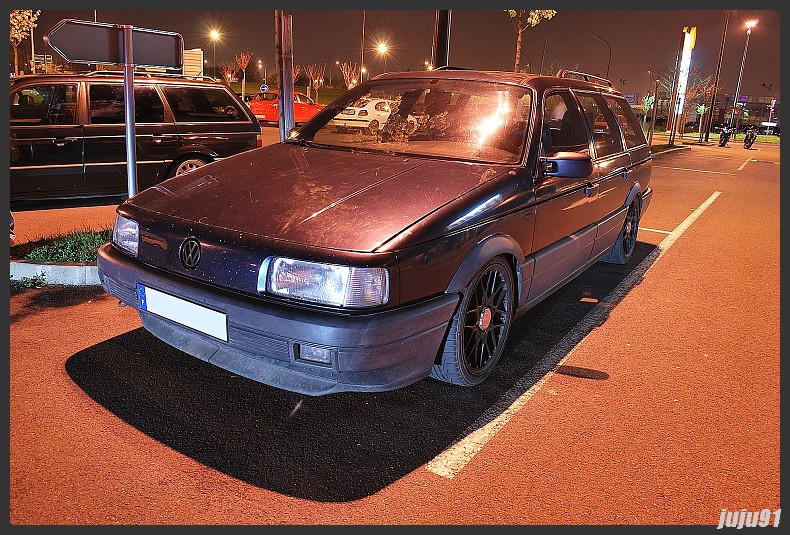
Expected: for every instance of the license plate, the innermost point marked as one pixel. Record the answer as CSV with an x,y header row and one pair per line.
x,y
191,315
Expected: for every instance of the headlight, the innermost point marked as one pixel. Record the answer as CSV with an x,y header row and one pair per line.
x,y
126,234
327,284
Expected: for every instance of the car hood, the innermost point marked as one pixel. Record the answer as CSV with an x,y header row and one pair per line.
x,y
352,201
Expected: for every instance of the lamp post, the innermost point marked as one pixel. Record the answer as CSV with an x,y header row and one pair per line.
x,y
749,25
382,48
609,62
214,36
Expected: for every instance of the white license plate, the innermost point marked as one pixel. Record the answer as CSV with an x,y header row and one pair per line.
x,y
197,317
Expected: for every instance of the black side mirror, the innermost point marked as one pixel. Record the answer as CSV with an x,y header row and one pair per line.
x,y
567,164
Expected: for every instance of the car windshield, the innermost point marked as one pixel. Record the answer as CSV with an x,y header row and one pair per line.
x,y
459,119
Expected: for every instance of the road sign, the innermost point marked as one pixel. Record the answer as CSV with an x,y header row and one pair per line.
x,y
81,41
264,88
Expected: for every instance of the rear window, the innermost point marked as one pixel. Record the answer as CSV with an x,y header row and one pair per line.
x,y
202,104
629,124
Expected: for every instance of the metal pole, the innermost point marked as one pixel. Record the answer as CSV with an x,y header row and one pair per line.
x,y
610,53
653,117
362,50
545,41
440,55
128,98
32,53
672,118
284,50
738,86
716,79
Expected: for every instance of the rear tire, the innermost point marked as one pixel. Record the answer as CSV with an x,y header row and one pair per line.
x,y
623,248
479,329
186,165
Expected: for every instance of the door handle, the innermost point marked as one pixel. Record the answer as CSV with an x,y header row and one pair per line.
x,y
589,189
61,142
625,175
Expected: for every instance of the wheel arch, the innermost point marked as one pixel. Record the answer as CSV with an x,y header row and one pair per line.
x,y
497,245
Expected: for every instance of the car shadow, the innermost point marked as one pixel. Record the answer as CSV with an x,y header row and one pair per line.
x,y
338,447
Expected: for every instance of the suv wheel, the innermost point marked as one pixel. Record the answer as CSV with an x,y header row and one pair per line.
x,y
479,328
186,165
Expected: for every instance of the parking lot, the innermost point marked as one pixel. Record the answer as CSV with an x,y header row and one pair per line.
x,y
638,394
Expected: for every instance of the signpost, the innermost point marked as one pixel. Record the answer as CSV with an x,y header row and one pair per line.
x,y
81,41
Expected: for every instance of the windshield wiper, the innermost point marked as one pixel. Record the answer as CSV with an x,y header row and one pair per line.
x,y
304,142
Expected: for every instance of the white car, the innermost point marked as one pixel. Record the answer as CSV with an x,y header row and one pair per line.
x,y
370,114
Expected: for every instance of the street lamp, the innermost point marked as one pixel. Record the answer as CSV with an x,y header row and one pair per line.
x,y
362,72
381,48
214,36
749,25
609,62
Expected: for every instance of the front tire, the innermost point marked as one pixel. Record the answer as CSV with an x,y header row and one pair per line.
x,y
623,248
373,127
479,328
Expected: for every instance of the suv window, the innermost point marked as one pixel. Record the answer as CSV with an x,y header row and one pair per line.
x,y
44,104
606,133
564,129
629,124
106,104
202,105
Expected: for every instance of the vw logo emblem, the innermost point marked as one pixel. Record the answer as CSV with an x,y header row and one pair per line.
x,y
190,253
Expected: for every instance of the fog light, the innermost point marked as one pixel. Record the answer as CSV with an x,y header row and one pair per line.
x,y
320,355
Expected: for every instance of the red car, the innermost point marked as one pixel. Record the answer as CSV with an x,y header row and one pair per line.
x,y
266,107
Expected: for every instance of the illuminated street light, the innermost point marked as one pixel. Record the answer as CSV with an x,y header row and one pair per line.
x,y
382,48
214,37
362,72
749,25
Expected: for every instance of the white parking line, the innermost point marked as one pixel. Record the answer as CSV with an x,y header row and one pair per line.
x,y
655,230
692,170
452,460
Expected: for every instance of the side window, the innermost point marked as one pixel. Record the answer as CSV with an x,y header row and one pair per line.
x,y
564,129
202,104
382,106
606,132
44,104
148,107
629,124
106,103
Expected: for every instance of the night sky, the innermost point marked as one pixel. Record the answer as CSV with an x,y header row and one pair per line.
x,y
642,42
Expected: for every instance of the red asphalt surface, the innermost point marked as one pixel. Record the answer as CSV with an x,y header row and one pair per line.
x,y
686,424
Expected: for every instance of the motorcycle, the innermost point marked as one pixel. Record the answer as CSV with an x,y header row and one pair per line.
x,y
724,136
751,136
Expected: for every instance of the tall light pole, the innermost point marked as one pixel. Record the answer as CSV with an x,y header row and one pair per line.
x,y
362,51
214,36
749,25
382,50
609,62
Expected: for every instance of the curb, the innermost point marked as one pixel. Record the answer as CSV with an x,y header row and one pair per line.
x,y
79,274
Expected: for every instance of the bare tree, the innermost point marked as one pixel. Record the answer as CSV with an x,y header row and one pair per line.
x,y
242,60
296,69
22,22
315,76
699,89
350,74
228,69
523,19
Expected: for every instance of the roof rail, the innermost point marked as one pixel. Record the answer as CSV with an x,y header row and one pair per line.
x,y
576,75
146,74
451,68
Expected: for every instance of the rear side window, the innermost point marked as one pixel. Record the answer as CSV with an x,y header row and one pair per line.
x,y
202,104
44,104
106,103
606,132
629,124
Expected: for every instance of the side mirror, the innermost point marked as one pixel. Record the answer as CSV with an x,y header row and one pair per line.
x,y
567,164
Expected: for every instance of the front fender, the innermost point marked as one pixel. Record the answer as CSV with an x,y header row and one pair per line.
x,y
500,244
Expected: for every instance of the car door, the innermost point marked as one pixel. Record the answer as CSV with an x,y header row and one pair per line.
x,y
612,164
565,211
46,141
106,170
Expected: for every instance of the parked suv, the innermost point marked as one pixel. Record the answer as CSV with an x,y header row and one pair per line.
x,y
68,135
367,260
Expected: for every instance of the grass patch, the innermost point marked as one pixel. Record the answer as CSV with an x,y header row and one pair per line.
x,y
77,246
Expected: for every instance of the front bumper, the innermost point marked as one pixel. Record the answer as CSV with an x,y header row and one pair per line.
x,y
369,353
